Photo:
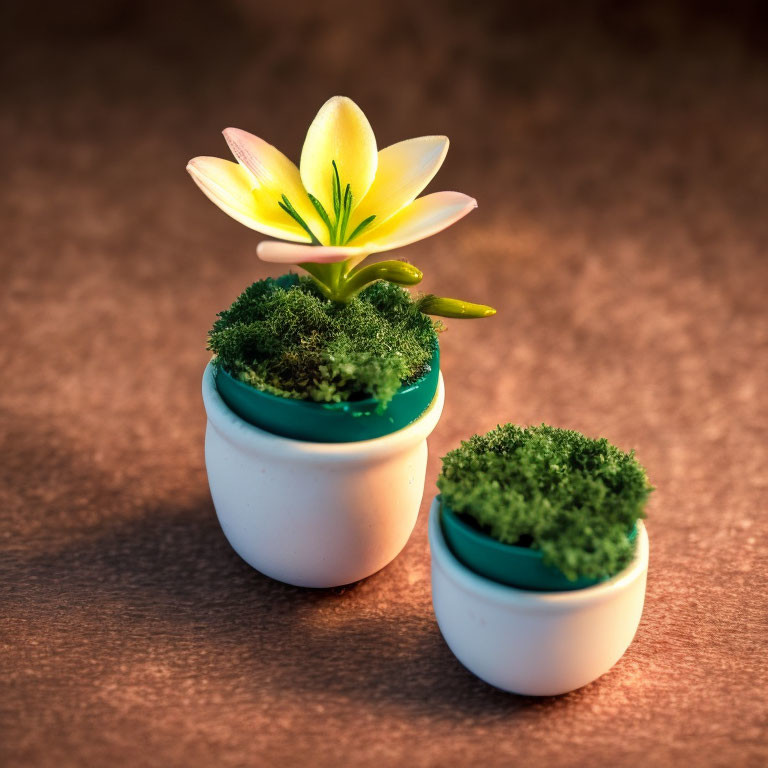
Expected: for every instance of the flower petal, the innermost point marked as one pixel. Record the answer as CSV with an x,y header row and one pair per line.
x,y
423,217
340,132
230,186
403,170
293,253
274,175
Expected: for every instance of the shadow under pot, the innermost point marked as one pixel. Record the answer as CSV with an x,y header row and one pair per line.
x,y
317,495
546,635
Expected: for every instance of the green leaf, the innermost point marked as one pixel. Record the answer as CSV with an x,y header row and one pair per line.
x,y
398,272
435,305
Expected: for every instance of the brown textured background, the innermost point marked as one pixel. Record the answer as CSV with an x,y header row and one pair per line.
x,y
619,155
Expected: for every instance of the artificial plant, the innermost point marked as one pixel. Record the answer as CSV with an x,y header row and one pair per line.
x,y
573,497
283,337
345,201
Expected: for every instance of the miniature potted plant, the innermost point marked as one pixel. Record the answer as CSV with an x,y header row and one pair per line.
x,y
324,388
539,556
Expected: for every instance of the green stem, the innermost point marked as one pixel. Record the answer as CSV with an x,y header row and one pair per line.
x,y
320,274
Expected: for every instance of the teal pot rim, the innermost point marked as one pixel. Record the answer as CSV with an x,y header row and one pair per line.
x,y
345,422
509,564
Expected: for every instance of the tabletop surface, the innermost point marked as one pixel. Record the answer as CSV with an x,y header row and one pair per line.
x,y
621,171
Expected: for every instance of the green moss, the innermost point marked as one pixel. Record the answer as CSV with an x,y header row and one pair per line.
x,y
572,497
282,336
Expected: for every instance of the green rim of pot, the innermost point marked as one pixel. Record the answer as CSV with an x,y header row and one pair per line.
x,y
515,566
344,422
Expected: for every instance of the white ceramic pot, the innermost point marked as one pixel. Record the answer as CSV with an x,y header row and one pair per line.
x,y
534,643
314,514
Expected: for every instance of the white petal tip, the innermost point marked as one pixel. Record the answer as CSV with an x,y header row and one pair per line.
x,y
465,202
461,201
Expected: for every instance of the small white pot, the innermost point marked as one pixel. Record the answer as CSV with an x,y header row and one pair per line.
x,y
535,643
314,514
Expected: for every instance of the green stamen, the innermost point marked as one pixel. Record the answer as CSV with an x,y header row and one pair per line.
x,y
324,216
336,184
347,209
360,227
342,210
294,214
336,192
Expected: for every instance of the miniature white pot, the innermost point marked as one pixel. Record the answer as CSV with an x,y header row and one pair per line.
x,y
314,514
535,643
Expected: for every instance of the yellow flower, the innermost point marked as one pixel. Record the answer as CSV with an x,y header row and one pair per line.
x,y
346,199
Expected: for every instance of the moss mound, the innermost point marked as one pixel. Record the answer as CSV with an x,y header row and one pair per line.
x,y
282,336
572,497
